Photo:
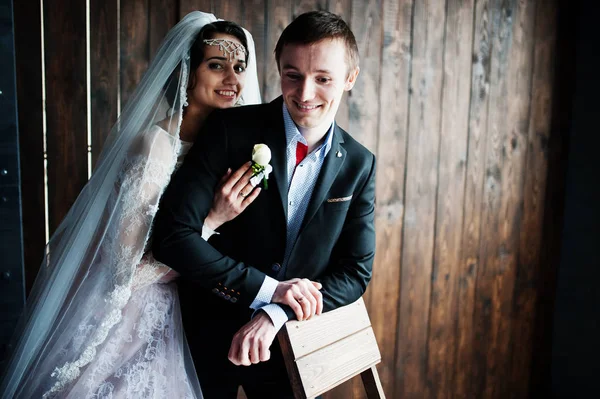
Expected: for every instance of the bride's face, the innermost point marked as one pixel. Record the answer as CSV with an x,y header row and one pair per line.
x,y
220,78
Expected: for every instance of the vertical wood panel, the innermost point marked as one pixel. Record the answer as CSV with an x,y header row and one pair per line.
x,y
302,6
384,289
104,71
65,104
254,22
451,184
466,368
135,45
187,6
343,8
278,16
363,115
364,107
163,16
529,271
28,49
502,212
232,10
421,186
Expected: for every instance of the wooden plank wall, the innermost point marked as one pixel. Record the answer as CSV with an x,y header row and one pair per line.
x,y
455,97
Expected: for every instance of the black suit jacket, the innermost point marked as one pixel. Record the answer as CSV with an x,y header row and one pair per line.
x,y
220,279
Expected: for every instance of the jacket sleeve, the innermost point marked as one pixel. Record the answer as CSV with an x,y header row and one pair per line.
x,y
177,237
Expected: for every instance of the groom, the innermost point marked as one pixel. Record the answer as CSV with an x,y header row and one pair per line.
x,y
313,227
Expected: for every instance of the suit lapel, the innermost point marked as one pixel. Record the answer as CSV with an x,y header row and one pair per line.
x,y
329,171
275,139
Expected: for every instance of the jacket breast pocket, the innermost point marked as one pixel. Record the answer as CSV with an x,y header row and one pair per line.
x,y
338,204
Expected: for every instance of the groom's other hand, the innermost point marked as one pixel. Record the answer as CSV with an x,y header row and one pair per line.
x,y
251,343
302,295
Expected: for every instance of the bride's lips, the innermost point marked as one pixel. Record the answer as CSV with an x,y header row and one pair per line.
x,y
228,94
306,107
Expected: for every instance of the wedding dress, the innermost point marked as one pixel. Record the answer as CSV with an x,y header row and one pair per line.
x,y
103,319
143,354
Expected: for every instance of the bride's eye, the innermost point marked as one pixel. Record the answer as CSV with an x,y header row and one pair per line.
x,y
239,68
215,65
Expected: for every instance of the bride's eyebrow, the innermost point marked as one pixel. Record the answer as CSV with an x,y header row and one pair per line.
x,y
224,59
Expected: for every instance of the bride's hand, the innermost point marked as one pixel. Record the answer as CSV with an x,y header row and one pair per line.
x,y
234,193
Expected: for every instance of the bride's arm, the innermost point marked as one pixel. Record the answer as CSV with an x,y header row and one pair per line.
x,y
232,196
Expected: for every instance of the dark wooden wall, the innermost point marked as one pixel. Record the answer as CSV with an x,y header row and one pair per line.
x,y
456,99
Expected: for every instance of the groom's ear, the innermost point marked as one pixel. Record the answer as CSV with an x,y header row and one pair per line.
x,y
351,79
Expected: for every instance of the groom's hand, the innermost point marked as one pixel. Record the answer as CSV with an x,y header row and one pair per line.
x,y
251,343
302,295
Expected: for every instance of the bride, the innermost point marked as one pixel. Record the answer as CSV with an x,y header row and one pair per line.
x,y
103,318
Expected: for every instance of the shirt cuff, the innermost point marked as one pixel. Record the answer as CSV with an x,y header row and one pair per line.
x,y
276,314
265,294
207,232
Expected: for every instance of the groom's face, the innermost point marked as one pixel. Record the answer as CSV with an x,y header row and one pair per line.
x,y
313,79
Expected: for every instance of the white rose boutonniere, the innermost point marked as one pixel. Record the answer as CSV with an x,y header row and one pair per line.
x,y
261,156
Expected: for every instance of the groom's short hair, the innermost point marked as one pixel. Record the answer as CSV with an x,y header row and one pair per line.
x,y
314,26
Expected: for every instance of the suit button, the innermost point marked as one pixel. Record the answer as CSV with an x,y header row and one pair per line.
x,y
227,297
276,267
233,300
221,294
215,290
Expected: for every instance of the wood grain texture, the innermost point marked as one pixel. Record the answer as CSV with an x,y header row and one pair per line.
x,y
135,45
163,16
104,71
65,104
502,208
469,264
363,108
232,10
322,370
187,6
254,22
420,197
307,336
384,289
278,15
343,8
302,6
530,269
28,52
441,345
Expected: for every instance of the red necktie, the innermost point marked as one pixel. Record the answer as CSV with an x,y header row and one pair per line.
x,y
301,151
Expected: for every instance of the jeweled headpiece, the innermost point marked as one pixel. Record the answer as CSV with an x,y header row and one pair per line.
x,y
228,47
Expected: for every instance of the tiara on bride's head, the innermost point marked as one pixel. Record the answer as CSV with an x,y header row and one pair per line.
x,y
228,47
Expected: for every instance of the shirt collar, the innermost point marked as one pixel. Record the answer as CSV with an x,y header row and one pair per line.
x,y
293,135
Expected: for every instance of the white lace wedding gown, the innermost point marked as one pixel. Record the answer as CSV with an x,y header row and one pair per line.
x,y
136,347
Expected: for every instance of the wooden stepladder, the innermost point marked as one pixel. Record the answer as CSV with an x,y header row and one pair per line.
x,y
329,349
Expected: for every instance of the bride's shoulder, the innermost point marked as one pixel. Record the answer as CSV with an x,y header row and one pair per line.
x,y
155,142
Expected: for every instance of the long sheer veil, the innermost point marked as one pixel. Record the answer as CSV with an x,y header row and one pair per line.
x,y
86,277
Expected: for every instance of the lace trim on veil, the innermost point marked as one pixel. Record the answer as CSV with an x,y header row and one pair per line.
x,y
121,294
